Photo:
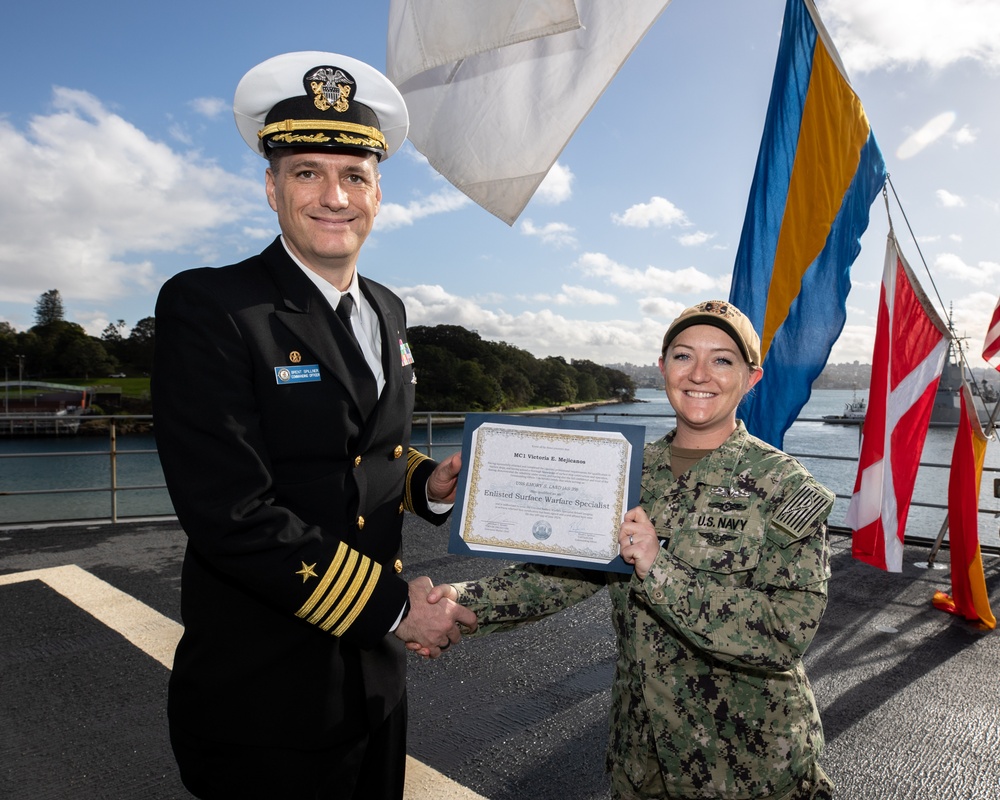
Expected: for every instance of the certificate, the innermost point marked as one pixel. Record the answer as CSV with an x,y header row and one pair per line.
x,y
551,491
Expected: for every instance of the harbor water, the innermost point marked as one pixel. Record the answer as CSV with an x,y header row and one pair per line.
x,y
829,451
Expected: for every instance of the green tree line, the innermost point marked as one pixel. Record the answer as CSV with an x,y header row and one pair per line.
x,y
459,371
56,348
456,369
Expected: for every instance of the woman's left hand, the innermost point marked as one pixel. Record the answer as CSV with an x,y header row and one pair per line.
x,y
638,542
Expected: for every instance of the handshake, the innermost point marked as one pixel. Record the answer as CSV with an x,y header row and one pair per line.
x,y
435,621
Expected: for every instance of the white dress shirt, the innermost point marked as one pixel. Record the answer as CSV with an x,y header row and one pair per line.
x,y
364,320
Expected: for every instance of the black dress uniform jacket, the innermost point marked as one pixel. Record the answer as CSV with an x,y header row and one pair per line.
x,y
292,494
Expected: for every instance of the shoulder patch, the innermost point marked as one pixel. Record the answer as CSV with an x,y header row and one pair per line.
x,y
808,505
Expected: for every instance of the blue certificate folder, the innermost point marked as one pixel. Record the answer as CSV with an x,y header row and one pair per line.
x,y
634,434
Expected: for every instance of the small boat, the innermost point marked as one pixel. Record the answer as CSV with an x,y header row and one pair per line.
x,y
854,413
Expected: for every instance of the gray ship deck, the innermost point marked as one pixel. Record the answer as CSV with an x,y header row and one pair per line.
x,y
88,618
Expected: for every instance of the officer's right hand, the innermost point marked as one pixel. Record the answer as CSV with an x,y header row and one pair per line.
x,y
433,625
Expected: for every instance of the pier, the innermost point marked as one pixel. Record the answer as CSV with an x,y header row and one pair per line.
x,y
89,615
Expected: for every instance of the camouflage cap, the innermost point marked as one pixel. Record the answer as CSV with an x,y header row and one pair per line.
x,y
724,316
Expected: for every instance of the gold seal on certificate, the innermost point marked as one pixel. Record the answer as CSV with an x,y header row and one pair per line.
x,y
551,491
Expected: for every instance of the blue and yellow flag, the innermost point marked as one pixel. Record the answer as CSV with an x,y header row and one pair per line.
x,y
818,170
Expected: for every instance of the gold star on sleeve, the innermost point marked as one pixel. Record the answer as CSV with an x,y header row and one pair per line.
x,y
308,571
342,592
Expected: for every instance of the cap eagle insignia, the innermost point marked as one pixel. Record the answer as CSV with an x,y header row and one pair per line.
x,y
330,87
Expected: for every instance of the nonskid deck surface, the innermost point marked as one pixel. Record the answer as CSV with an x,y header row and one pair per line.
x,y
89,615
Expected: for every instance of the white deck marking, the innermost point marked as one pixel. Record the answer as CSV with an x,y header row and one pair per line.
x,y
157,636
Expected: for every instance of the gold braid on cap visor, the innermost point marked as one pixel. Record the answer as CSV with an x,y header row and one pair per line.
x,y
370,137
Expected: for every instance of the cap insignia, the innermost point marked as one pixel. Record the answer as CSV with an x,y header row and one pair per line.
x,y
716,307
330,88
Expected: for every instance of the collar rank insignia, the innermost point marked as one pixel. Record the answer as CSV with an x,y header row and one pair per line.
x,y
308,571
330,88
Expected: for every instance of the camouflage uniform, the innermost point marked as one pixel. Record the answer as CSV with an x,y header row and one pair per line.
x,y
709,672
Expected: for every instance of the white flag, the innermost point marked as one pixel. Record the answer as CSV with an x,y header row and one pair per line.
x,y
492,107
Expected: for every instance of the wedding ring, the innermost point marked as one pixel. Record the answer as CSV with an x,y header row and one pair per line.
x,y
630,538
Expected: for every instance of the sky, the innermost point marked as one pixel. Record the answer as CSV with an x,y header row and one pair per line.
x,y
121,165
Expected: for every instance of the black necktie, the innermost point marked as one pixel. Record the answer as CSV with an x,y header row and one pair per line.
x,y
344,308
363,374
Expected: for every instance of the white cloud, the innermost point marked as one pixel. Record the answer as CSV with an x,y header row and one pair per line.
x,y
265,234
554,233
855,343
210,107
695,239
652,281
907,33
661,308
180,133
556,187
394,215
971,315
658,212
84,189
948,200
543,333
953,266
964,135
931,131
581,296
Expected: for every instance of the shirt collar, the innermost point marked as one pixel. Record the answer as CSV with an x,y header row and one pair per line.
x,y
329,291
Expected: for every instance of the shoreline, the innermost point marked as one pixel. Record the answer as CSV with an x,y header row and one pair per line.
x,y
457,418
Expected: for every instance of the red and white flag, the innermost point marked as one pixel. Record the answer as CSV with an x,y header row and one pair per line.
x,y
991,345
911,344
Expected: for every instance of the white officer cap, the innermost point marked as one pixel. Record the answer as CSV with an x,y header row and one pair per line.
x,y
319,100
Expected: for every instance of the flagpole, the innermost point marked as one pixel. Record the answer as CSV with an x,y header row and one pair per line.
x,y
929,564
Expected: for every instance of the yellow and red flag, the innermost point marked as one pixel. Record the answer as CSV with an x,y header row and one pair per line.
x,y
968,597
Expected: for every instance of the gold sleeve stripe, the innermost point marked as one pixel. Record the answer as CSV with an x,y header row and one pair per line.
x,y
414,458
327,579
350,596
338,588
362,600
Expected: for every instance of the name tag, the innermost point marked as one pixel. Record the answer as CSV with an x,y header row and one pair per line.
x,y
299,373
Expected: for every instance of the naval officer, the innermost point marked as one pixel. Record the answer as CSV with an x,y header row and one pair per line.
x,y
283,393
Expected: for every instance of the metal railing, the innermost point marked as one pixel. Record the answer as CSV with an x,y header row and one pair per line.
x,y
423,420
61,427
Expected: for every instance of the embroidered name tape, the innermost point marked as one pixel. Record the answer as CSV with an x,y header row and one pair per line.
x,y
300,373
